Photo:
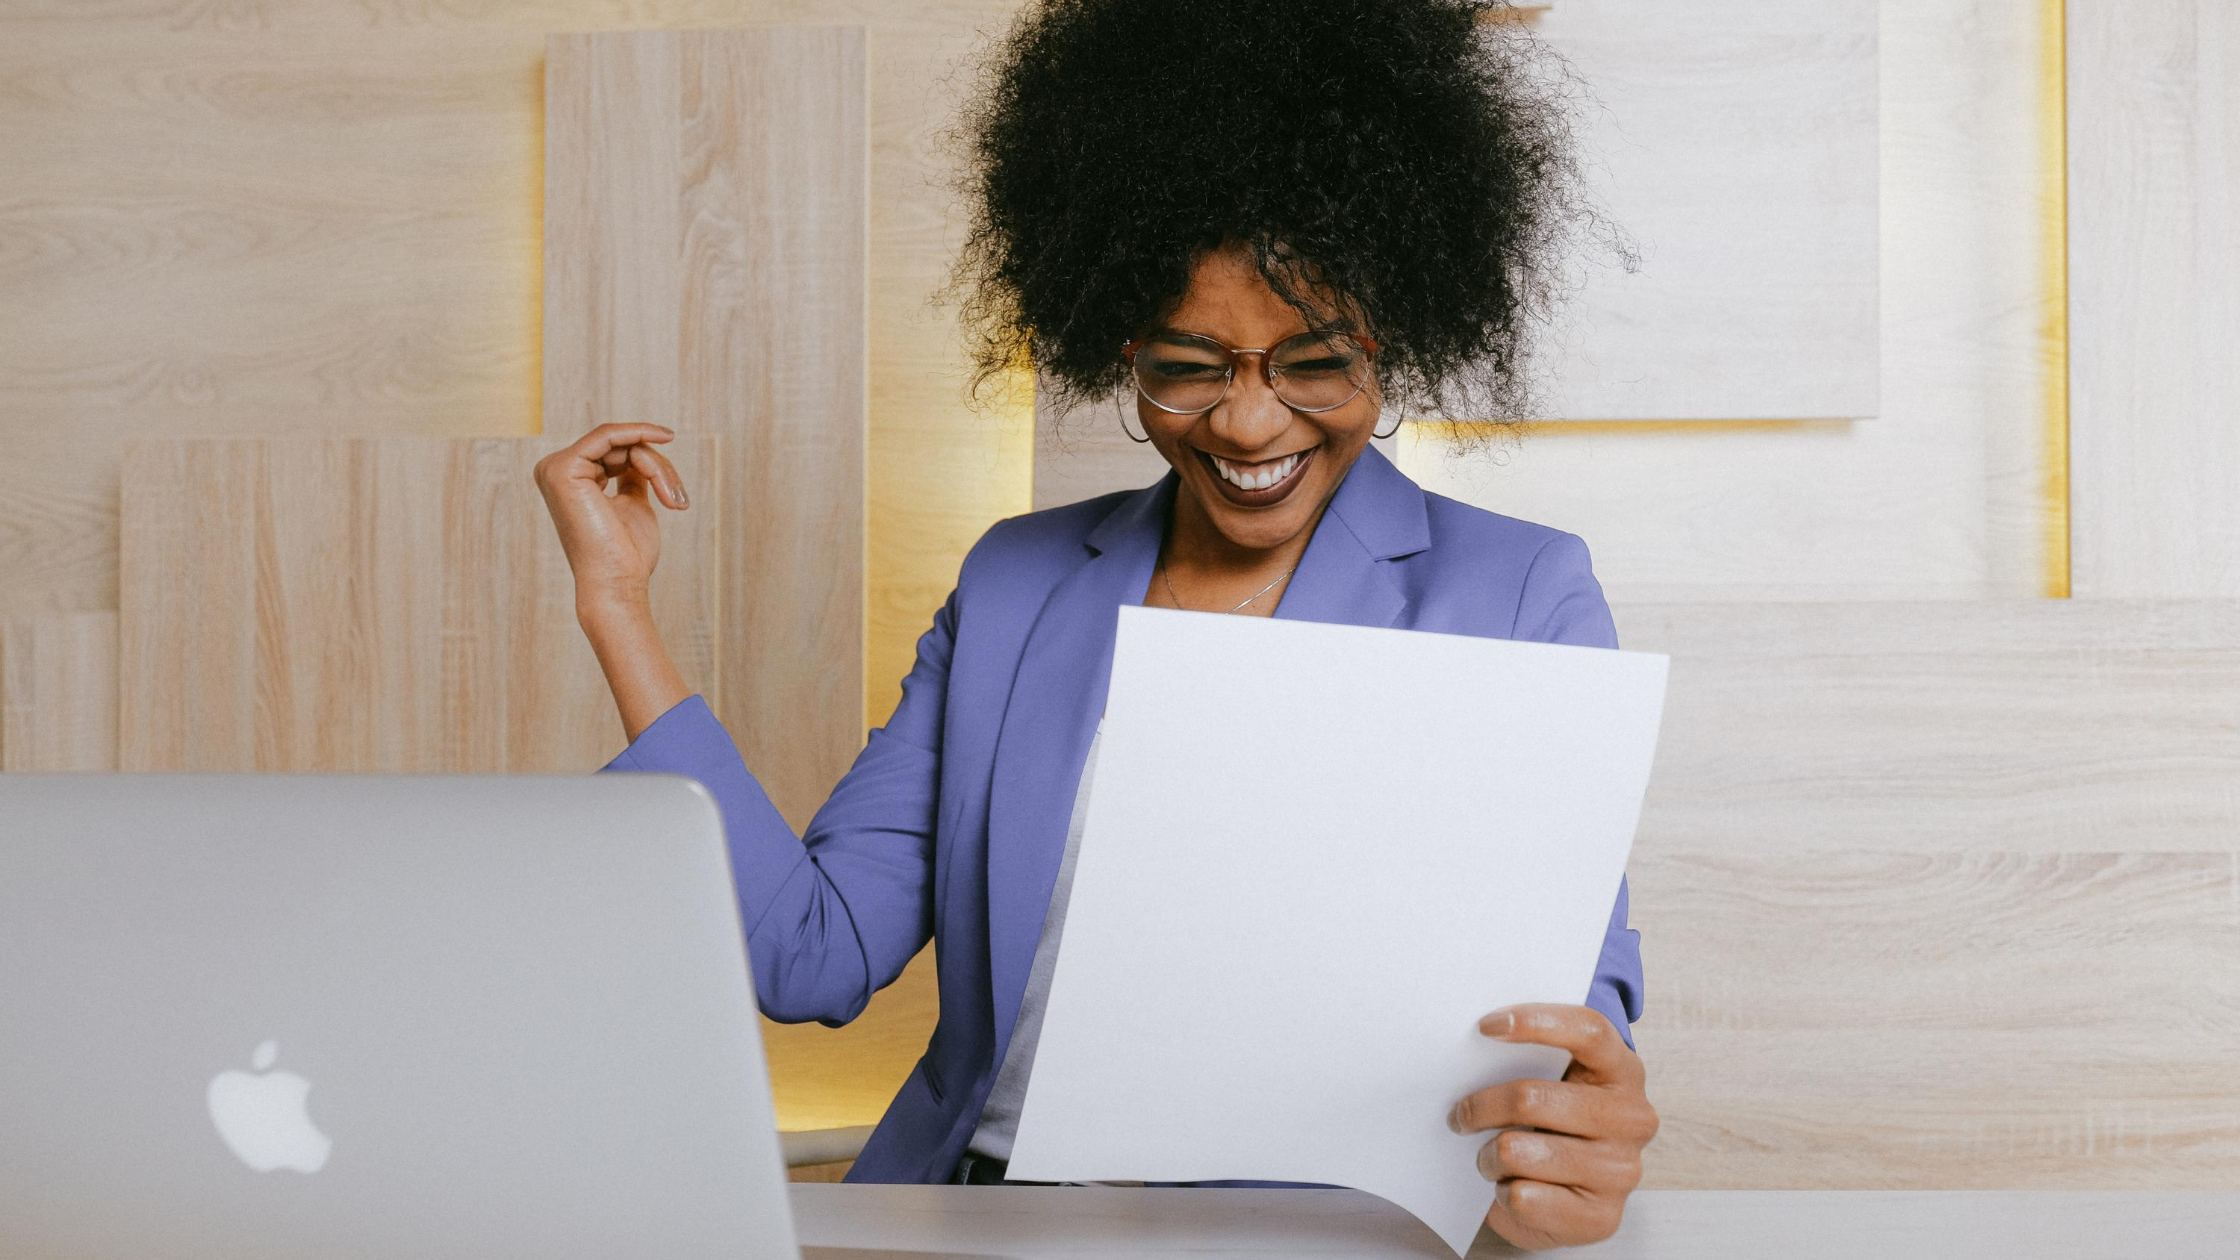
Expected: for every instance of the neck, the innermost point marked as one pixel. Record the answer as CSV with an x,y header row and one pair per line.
x,y
1194,545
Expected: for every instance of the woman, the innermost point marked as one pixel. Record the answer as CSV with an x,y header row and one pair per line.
x,y
1273,222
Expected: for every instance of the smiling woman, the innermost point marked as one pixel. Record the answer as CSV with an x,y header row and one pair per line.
x,y
1273,223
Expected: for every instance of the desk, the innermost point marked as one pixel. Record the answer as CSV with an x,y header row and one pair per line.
x,y
1113,1223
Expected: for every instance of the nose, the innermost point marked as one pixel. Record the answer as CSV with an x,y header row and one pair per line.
x,y
1249,415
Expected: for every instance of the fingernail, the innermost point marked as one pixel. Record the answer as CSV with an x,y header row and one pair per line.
x,y
1501,1192
1454,1118
677,487
1498,1024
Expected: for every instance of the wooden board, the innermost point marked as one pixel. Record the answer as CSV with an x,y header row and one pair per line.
x,y
58,692
1942,895
2039,726
1086,452
1941,1020
1944,495
374,605
1737,142
2154,269
705,246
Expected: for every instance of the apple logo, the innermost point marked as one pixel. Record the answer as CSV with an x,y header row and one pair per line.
x,y
262,1118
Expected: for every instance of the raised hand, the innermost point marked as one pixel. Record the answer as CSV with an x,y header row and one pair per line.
x,y
612,541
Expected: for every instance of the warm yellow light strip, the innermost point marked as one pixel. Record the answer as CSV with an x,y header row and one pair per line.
x,y
2053,328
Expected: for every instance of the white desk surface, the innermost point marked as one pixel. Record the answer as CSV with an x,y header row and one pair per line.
x,y
1084,1222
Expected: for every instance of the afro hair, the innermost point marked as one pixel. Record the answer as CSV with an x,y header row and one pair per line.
x,y
1403,165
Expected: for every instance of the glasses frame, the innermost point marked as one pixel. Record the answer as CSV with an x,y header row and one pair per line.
x,y
1267,368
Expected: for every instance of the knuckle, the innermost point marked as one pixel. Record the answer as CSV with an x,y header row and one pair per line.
x,y
1532,1104
1519,1150
1602,1222
1604,1033
1530,1202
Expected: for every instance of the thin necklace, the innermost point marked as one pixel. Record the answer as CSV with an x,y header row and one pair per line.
x,y
1169,580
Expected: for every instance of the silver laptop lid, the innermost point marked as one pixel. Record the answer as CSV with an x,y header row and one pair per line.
x,y
297,1015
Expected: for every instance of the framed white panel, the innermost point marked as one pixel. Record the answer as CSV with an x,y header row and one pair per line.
x,y
1737,142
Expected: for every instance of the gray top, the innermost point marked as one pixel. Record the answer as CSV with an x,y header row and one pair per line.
x,y
999,1120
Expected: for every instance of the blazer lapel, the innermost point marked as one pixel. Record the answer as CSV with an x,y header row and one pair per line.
x,y
1057,699
1376,515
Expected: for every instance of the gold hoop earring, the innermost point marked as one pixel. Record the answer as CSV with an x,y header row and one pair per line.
x,y
1122,408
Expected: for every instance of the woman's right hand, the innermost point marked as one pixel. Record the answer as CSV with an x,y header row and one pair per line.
x,y
612,541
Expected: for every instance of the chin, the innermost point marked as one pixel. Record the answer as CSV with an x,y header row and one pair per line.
x,y
1260,531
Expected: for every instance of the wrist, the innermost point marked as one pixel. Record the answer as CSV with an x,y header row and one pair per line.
x,y
600,608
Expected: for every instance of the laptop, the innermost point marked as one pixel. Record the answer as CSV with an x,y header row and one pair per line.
x,y
302,1015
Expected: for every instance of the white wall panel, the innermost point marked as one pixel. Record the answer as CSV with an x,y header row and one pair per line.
x,y
1944,495
1736,142
2154,162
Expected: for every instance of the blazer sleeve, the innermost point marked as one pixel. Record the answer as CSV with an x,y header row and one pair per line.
x,y
1562,602
833,916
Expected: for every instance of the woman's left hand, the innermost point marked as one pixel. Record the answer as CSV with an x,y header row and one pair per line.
x,y
1572,1150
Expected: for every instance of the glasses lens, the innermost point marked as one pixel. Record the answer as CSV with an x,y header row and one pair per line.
x,y
1182,373
1317,371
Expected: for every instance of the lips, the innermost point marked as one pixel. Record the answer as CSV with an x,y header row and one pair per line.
x,y
1262,483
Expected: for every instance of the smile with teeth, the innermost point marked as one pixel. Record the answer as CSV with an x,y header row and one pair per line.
x,y
1256,476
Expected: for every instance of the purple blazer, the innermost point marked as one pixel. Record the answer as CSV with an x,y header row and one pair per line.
x,y
952,820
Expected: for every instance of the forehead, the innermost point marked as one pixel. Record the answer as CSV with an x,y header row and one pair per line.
x,y
1229,300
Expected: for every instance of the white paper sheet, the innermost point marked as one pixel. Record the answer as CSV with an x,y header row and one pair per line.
x,y
1314,856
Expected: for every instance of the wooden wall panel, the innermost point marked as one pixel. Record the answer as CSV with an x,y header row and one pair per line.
x,y
1086,452
374,605
1942,1020
58,692
1943,895
1737,142
1943,496
705,219
2041,726
2154,258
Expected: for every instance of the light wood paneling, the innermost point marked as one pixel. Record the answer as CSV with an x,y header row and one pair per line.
x,y
2154,232
1940,497
1943,895
1086,452
322,218
704,268
2038,726
2091,1109
1942,1020
58,692
1961,941
374,605
1736,142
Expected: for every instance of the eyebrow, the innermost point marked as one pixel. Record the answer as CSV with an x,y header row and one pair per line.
x,y
1169,330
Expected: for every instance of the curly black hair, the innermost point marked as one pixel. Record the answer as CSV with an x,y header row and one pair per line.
x,y
1410,158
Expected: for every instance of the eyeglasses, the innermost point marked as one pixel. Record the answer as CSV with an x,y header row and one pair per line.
x,y
1314,371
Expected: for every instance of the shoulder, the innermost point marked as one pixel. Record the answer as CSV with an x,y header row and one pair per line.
x,y
1050,540
1508,576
